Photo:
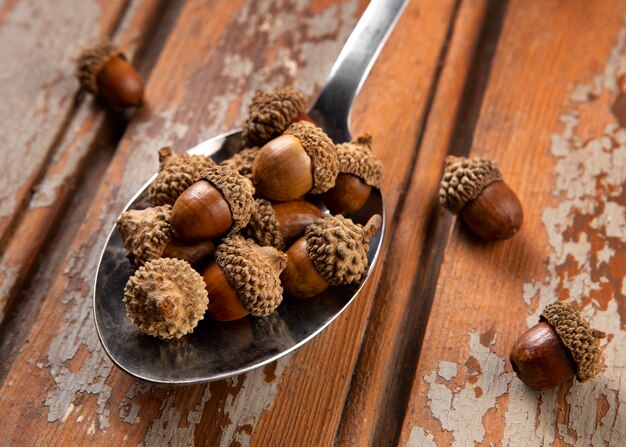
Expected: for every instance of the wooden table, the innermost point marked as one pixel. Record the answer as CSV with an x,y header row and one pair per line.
x,y
421,358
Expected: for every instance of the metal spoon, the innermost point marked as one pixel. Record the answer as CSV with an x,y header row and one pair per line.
x,y
217,350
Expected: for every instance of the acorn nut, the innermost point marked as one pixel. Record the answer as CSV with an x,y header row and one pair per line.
x,y
300,161
474,189
166,298
218,202
333,251
103,71
279,224
556,349
176,173
147,235
244,279
359,171
271,114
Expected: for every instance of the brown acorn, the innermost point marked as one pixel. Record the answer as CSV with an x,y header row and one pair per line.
x,y
218,202
359,171
333,251
280,224
271,114
166,298
474,189
300,161
556,349
176,173
104,72
244,279
147,235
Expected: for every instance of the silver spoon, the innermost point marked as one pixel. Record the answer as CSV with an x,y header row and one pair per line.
x,y
217,350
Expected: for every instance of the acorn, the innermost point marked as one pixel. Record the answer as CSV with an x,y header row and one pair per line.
x,y
474,189
359,172
166,298
103,71
218,202
559,347
333,251
147,235
242,161
176,173
300,161
271,114
244,279
279,224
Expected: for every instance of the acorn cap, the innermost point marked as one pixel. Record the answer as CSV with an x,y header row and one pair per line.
x,y
356,158
338,247
145,233
464,179
91,61
242,161
237,191
322,151
579,338
253,272
166,298
263,226
271,114
176,173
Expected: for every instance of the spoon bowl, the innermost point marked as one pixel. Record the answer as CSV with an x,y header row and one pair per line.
x,y
217,350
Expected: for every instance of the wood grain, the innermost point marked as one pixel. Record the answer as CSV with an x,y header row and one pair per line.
x,y
42,41
376,402
546,119
194,91
90,129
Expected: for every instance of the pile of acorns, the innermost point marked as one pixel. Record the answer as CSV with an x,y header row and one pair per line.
x,y
225,240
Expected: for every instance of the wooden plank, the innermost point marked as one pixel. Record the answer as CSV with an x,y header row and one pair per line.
x,y
547,119
375,406
90,129
42,41
195,91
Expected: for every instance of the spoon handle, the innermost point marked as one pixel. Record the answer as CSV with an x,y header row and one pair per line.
x,y
333,105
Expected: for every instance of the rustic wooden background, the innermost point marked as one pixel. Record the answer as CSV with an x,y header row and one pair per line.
x,y
420,359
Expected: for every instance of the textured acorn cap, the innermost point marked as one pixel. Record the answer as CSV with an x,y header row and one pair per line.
x,y
166,298
263,226
176,173
356,158
91,61
253,272
338,247
237,191
242,161
322,152
464,179
579,338
145,233
271,114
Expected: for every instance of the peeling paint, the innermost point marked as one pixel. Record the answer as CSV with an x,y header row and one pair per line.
x,y
460,409
420,438
167,431
254,397
589,220
45,92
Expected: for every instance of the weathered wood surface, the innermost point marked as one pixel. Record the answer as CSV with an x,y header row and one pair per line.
x,y
437,88
87,134
551,116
